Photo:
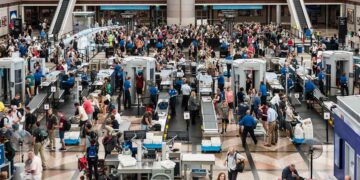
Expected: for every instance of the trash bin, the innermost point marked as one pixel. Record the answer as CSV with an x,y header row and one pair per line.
x,y
299,49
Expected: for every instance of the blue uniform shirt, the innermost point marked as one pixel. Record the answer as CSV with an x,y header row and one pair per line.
x,y
70,81
179,82
247,120
172,92
159,45
309,86
321,76
153,90
257,101
122,43
263,90
290,83
343,80
37,76
221,79
283,71
127,85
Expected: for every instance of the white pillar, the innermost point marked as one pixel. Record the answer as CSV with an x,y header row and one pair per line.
x,y
181,12
84,8
278,14
342,10
22,10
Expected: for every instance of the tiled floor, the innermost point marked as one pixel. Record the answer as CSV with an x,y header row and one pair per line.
x,y
269,162
265,163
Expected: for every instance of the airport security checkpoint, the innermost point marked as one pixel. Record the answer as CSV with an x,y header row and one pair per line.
x,y
168,102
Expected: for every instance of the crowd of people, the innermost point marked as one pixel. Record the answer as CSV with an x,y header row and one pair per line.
x,y
248,108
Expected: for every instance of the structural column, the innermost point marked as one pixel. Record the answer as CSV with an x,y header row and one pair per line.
x,y
278,14
181,12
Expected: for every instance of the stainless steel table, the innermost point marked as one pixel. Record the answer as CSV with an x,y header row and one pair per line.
x,y
197,159
139,168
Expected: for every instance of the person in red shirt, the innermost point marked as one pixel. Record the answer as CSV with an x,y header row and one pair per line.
x,y
88,107
139,83
61,130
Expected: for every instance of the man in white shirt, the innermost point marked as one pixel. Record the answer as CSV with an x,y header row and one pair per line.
x,y
271,120
10,119
185,90
33,166
82,116
232,159
117,115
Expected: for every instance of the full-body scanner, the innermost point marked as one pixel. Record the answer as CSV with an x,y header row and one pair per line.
x,y
12,78
335,63
248,70
135,64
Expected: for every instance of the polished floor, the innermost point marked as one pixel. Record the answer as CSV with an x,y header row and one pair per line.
x,y
262,162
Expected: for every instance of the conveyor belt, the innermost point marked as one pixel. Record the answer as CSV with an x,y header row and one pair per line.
x,y
210,125
37,101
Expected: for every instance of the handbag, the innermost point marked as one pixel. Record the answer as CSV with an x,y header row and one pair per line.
x,y
239,166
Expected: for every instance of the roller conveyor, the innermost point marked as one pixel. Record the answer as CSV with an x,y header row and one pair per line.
x,y
37,102
210,125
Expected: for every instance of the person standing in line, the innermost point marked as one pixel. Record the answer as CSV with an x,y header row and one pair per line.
x,y
271,120
88,108
139,83
50,126
127,98
81,114
172,94
229,96
321,77
39,142
264,111
185,90
61,130
344,85
153,90
30,120
33,166
193,108
263,91
249,123
92,159
221,82
240,95
224,109
232,159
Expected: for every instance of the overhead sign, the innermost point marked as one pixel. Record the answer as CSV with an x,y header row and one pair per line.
x,y
53,89
46,106
326,115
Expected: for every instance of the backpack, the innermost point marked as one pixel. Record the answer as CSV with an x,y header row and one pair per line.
x,y
67,125
2,122
91,153
42,135
239,166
